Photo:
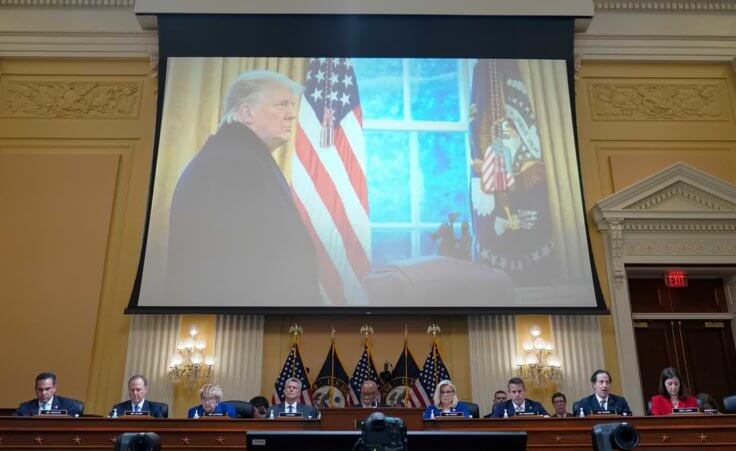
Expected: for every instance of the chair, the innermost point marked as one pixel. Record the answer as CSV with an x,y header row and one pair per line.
x,y
473,409
164,410
243,409
729,404
78,405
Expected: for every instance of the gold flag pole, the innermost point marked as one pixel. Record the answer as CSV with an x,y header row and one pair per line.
x,y
332,369
435,330
295,330
406,365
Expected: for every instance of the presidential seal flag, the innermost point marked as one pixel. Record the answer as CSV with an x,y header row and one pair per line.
x,y
331,387
395,392
329,178
508,186
293,367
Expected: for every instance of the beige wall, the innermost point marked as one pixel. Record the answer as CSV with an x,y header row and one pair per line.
x,y
75,151
635,119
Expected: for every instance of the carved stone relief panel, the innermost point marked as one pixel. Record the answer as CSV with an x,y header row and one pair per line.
x,y
646,101
78,98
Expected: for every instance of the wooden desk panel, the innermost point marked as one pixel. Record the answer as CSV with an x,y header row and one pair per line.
x,y
667,433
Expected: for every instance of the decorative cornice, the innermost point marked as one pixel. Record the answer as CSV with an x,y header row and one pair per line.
x,y
55,45
702,6
68,3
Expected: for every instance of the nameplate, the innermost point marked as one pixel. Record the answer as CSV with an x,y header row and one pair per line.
x,y
526,414
214,414
291,415
130,413
452,414
710,411
685,410
53,413
604,412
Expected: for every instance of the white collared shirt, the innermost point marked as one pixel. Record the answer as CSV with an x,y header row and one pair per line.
x,y
604,401
519,408
138,407
287,406
47,406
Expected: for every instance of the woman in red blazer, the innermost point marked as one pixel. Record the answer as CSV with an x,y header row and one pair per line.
x,y
671,395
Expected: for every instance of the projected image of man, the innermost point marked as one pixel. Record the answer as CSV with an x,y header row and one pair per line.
x,y
235,234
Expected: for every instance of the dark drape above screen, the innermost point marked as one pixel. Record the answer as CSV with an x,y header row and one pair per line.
x,y
373,36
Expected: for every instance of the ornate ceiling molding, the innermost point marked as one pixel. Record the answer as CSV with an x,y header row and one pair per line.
x,y
710,7
68,3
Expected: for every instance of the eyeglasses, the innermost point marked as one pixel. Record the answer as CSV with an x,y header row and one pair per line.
x,y
209,400
445,392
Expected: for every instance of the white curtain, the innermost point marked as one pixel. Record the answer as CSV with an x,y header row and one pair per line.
x,y
151,346
580,348
239,355
492,340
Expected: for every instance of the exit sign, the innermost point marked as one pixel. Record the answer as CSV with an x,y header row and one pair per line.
x,y
675,279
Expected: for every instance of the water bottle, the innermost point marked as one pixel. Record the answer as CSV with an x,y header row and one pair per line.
x,y
505,413
196,414
114,413
581,414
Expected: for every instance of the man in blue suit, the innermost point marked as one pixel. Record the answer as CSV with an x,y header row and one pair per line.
x,y
602,401
517,403
138,404
47,401
291,405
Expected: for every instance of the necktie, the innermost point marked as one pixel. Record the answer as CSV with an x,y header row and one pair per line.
x,y
291,409
603,404
137,408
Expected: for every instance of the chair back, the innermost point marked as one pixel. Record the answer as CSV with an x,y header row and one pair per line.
x,y
78,405
243,409
164,410
473,409
729,404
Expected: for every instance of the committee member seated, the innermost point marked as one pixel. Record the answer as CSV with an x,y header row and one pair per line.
x,y
602,401
291,405
498,397
260,406
559,402
446,402
369,395
517,404
211,397
137,402
46,400
671,394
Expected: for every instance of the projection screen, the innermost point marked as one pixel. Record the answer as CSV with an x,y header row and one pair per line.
x,y
367,183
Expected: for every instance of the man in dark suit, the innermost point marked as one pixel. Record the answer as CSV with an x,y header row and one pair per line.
x,y
369,396
602,401
47,401
291,405
137,402
498,397
235,233
559,402
517,403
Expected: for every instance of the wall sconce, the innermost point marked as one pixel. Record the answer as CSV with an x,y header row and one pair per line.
x,y
538,365
190,367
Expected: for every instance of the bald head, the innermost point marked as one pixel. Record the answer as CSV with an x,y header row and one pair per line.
x,y
369,394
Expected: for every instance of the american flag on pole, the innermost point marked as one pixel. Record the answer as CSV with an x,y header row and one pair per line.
x,y
364,370
293,367
433,371
329,178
